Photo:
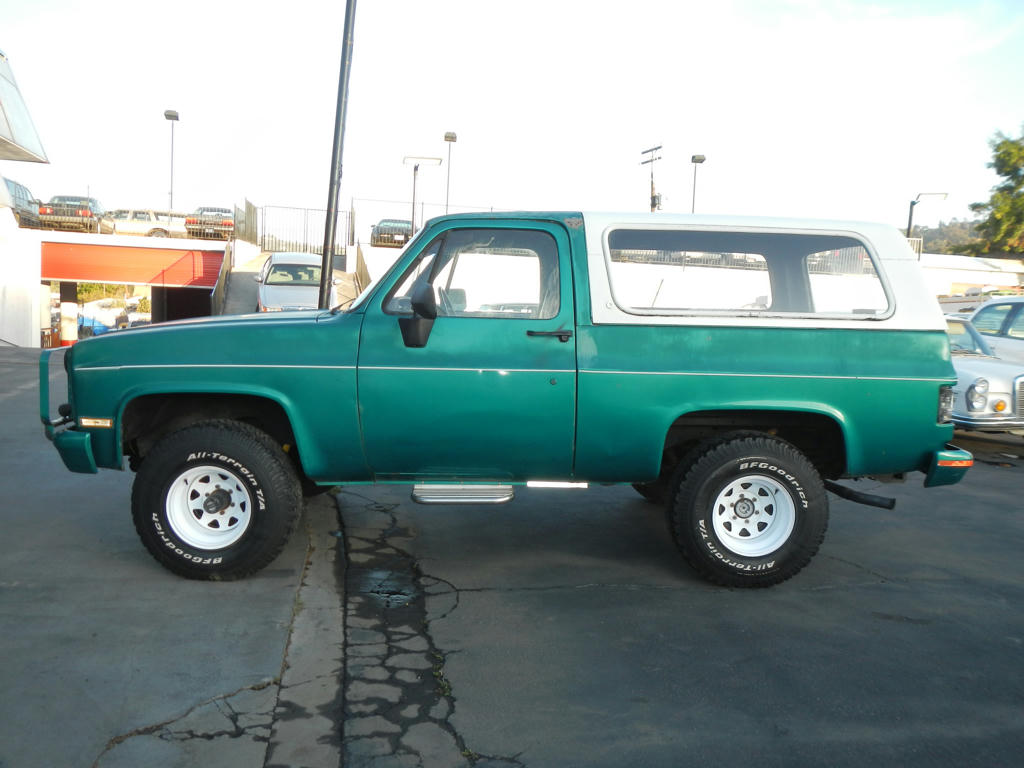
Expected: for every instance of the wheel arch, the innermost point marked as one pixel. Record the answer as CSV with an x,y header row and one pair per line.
x,y
147,417
819,434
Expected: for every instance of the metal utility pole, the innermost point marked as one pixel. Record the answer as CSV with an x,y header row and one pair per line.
x,y
416,162
451,138
327,265
655,198
915,201
696,160
171,115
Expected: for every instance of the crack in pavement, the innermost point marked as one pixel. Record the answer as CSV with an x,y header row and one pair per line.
x,y
291,719
260,701
398,702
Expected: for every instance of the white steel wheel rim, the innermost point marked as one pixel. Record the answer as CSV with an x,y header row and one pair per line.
x,y
753,516
208,507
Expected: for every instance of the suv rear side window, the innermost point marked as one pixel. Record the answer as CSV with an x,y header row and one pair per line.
x,y
673,271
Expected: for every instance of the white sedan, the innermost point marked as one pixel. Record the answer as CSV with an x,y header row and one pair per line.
x,y
1001,321
289,281
989,393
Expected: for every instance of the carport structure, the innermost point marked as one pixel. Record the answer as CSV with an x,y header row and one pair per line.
x,y
186,277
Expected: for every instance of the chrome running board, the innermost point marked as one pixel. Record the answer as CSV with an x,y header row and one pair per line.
x,y
436,493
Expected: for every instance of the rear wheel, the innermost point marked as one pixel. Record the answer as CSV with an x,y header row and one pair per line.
x,y
217,500
748,511
157,233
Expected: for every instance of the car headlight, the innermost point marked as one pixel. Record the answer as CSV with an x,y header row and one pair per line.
x,y
977,395
945,404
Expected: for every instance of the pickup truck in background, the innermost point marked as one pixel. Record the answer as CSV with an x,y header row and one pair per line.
x,y
71,212
144,222
732,370
211,223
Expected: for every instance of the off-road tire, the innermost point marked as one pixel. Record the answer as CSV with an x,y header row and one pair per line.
x,y
747,511
216,500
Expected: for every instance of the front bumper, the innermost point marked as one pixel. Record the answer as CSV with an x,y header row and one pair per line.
x,y
73,446
948,466
989,423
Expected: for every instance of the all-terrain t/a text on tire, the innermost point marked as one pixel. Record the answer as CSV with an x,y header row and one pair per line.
x,y
748,511
217,500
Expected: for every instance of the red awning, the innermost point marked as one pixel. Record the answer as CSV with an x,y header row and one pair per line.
x,y
134,265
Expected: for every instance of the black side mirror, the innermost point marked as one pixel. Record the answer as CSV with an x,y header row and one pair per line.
x,y
416,329
424,302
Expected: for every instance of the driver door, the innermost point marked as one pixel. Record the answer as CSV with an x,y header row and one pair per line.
x,y
491,394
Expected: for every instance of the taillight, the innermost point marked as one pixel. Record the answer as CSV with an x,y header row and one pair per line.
x,y
191,220
45,209
227,223
85,212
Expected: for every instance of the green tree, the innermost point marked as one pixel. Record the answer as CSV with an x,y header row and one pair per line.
x,y
1002,231
949,237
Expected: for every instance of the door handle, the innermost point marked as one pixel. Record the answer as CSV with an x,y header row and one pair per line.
x,y
562,334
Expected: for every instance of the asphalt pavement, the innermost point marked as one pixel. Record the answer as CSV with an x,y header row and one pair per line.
x,y
564,630
559,630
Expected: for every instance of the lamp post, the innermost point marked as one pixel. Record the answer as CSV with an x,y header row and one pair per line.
x,y
172,116
451,138
696,160
915,201
416,162
655,199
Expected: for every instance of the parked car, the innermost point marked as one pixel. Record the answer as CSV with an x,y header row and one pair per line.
x,y
143,222
391,233
1001,322
989,393
24,206
289,281
71,212
211,223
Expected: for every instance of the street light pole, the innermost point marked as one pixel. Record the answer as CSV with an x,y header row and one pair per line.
x,y
415,162
171,116
451,138
915,201
337,153
655,199
696,160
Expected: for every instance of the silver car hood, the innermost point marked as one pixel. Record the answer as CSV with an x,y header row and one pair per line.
x,y
290,296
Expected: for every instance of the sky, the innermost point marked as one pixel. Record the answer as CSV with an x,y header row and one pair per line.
x,y
843,109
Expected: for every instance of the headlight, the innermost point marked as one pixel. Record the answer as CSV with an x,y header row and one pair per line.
x,y
945,404
976,395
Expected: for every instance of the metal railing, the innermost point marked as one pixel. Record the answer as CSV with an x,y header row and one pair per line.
x,y
247,223
299,229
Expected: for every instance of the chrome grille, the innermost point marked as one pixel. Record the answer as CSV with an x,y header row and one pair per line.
x,y
1018,391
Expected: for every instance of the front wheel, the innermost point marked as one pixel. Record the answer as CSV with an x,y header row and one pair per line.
x,y
748,511
216,501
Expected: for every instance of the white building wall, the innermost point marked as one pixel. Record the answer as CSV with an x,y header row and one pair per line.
x,y
21,305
